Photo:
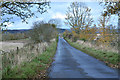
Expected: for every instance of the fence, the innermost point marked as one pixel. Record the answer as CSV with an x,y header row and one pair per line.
x,y
25,54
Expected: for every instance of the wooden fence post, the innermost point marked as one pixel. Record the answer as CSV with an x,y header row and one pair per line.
x,y
17,50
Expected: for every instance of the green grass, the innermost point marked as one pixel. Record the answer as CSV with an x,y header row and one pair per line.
x,y
36,66
110,58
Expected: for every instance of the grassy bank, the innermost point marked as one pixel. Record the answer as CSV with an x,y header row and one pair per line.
x,y
35,68
111,59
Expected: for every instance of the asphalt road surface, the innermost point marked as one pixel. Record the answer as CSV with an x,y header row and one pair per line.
x,y
72,63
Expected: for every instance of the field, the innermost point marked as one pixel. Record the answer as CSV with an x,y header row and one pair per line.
x,y
12,45
36,68
26,58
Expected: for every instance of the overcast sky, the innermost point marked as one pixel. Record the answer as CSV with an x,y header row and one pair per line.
x,y
58,10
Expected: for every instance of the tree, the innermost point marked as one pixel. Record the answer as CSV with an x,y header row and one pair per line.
x,y
103,22
23,10
78,15
106,36
111,7
55,21
42,32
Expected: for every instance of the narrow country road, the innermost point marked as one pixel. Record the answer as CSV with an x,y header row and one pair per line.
x,y
72,63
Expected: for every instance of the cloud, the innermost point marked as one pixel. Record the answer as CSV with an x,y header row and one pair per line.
x,y
8,24
58,10
59,15
39,19
75,0
21,25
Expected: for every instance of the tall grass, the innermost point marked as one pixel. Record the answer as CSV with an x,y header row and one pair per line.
x,y
31,61
36,68
18,56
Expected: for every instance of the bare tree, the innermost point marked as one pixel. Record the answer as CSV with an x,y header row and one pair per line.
x,y
23,10
78,15
111,7
103,22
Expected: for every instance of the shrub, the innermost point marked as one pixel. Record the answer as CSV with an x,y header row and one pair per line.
x,y
42,32
67,34
74,39
57,38
83,39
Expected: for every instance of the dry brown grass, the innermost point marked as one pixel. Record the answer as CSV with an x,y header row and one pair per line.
x,y
99,47
12,44
26,53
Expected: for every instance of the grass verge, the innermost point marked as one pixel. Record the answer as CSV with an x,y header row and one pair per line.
x,y
35,68
111,59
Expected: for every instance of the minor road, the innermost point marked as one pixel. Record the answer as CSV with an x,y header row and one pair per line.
x,y
72,63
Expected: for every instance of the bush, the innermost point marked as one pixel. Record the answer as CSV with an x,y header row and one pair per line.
x,y
43,32
74,39
57,38
67,34
83,39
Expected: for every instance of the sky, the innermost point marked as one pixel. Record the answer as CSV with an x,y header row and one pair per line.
x,y
58,10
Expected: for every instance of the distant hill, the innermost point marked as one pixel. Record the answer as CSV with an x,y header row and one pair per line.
x,y
62,30
25,30
16,31
58,29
